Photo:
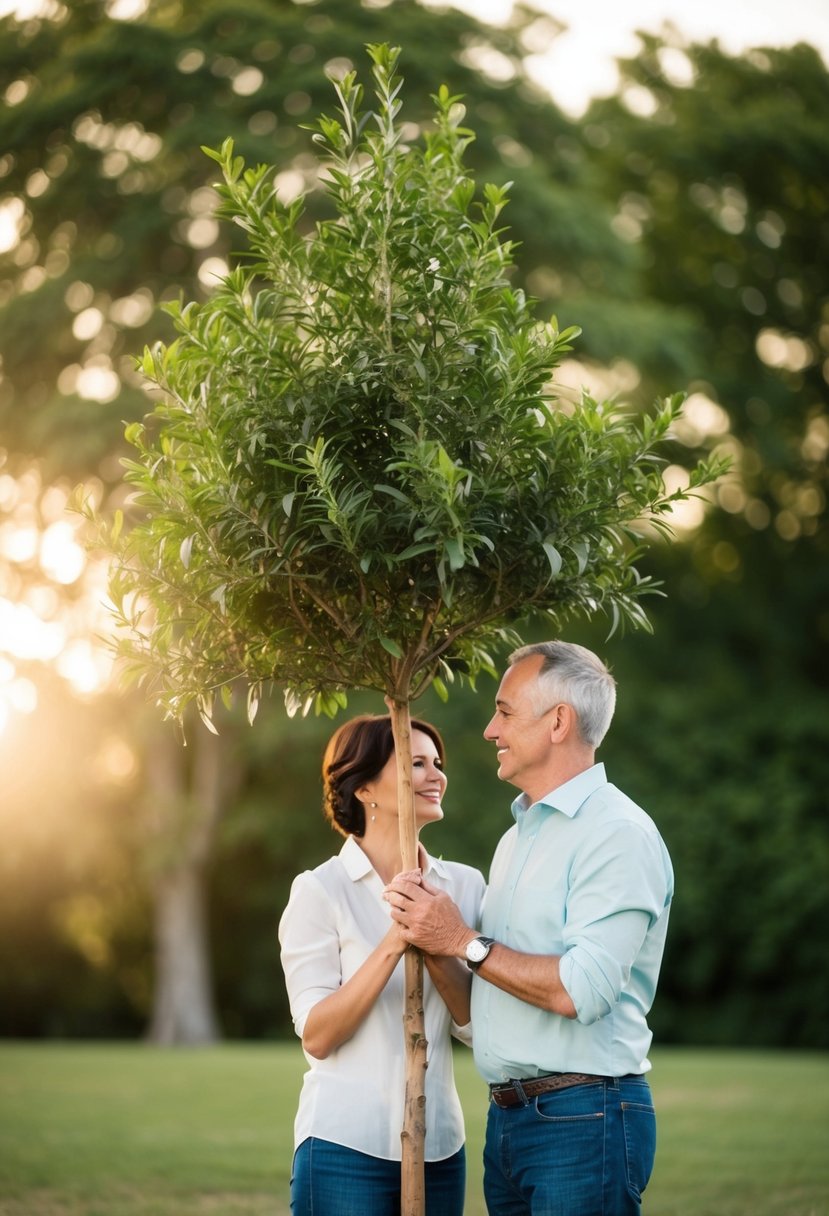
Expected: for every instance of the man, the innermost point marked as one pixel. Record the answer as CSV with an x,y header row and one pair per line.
x,y
565,970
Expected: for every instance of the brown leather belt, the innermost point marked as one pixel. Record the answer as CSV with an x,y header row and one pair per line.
x,y
518,1091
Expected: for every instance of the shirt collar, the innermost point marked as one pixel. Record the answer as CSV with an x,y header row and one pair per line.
x,y
567,798
357,864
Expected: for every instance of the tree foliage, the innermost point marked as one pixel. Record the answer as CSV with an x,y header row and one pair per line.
x,y
104,186
361,474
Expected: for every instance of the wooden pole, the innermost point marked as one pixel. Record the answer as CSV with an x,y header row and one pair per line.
x,y
413,1135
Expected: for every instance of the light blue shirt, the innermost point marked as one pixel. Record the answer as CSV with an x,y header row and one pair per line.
x,y
585,875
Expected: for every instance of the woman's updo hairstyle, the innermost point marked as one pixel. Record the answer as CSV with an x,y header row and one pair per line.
x,y
355,755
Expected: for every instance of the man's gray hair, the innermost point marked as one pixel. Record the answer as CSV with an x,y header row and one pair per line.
x,y
576,675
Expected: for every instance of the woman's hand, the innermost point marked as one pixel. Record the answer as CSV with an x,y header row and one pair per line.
x,y
394,940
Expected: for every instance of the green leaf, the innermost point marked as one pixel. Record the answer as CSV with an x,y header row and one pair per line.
x,y
415,551
553,557
393,493
455,553
391,646
440,688
133,433
448,469
581,548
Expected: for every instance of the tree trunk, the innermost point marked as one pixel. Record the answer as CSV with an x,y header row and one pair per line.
x,y
183,1010
188,792
413,1135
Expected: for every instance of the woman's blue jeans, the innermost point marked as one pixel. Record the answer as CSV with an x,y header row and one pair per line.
x,y
330,1180
583,1151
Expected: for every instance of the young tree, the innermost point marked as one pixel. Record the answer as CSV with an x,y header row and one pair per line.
x,y
359,473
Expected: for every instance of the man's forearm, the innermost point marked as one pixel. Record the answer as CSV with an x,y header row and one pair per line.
x,y
533,978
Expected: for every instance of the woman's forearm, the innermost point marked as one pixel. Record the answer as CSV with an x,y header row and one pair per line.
x,y
335,1018
453,980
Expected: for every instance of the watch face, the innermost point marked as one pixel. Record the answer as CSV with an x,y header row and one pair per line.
x,y
476,951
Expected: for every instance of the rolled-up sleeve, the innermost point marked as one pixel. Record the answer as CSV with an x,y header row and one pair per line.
x,y
619,889
310,947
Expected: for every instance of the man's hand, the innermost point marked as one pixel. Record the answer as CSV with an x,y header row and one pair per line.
x,y
427,917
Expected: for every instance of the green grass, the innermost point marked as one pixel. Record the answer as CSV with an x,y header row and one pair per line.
x,y
128,1130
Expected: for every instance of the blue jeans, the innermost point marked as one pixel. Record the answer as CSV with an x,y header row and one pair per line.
x,y
330,1180
583,1151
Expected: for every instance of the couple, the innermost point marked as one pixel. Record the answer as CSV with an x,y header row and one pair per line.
x,y
561,952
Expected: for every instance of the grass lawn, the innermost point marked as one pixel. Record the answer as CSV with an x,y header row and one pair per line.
x,y
128,1130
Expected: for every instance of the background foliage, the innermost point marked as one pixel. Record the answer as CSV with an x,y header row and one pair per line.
x,y
657,224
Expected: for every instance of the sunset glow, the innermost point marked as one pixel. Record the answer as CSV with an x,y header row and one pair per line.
x,y
52,595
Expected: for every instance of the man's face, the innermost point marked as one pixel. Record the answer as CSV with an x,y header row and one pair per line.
x,y
521,736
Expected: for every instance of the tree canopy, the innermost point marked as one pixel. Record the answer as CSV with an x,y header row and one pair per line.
x,y
361,473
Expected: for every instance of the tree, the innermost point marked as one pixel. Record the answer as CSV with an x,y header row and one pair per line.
x,y
104,212
742,254
359,476
715,167
186,795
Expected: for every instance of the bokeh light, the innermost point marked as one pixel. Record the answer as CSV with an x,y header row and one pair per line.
x,y
53,605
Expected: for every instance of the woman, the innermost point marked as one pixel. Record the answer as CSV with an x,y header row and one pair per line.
x,y
341,953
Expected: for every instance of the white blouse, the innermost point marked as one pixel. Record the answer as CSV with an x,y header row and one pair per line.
x,y
334,919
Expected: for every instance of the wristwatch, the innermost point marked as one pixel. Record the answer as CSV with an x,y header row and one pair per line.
x,y
477,950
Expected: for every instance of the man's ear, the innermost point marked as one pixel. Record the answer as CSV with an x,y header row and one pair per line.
x,y
562,722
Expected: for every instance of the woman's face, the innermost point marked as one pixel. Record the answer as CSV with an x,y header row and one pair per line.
x,y
429,781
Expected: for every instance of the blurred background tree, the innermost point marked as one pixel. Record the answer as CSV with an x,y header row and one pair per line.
x,y
717,166
682,223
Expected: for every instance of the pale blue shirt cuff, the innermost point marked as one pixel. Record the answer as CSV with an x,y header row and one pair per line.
x,y
593,985
594,973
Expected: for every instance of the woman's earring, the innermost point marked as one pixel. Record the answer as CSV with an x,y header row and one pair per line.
x,y
374,817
